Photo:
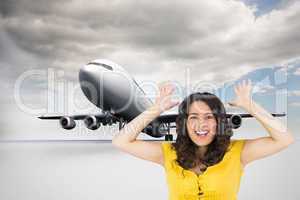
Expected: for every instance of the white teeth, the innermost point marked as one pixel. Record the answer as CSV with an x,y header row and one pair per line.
x,y
201,132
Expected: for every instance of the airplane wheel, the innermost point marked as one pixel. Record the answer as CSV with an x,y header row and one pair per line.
x,y
168,137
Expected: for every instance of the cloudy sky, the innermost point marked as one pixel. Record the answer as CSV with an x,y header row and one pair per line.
x,y
217,41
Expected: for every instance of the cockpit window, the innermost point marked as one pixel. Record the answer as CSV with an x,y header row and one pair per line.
x,y
102,65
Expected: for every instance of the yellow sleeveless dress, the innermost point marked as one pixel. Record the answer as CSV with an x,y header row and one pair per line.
x,y
219,182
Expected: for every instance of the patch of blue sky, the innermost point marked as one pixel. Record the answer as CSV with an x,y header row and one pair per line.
x,y
271,85
263,6
276,88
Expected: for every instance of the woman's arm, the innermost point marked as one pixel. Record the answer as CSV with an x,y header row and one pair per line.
x,y
126,138
280,137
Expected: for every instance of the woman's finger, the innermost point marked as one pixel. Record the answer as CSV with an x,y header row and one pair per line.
x,y
238,88
243,84
175,103
248,82
235,90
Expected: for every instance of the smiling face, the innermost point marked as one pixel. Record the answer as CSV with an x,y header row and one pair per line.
x,y
201,123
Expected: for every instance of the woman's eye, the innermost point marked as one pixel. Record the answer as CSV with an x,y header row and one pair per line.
x,y
196,118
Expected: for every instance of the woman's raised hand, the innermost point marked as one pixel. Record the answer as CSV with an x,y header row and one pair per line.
x,y
163,99
243,95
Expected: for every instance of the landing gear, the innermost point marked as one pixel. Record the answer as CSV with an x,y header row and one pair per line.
x,y
168,136
109,118
121,123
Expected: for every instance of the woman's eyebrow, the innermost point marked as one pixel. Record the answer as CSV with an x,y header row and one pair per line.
x,y
198,113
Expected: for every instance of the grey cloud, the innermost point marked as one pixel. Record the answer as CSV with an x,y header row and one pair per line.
x,y
160,27
217,40
167,31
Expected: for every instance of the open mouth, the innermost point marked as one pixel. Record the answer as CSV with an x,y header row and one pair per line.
x,y
201,133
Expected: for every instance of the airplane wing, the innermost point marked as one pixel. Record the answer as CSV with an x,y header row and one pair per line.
x,y
169,118
91,121
159,127
101,116
57,117
249,115
162,123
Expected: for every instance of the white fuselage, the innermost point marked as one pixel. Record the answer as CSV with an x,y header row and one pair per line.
x,y
111,88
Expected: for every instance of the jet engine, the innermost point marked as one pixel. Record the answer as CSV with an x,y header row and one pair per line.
x,y
67,122
235,121
156,129
91,122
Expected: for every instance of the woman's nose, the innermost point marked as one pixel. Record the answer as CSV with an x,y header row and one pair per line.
x,y
202,124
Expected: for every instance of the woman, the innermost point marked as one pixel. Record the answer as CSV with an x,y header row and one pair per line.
x,y
204,163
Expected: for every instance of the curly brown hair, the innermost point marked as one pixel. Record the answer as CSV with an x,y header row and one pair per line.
x,y
186,149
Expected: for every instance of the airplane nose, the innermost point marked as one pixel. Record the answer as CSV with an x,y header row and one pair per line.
x,y
110,88
97,83
85,73
88,78
92,73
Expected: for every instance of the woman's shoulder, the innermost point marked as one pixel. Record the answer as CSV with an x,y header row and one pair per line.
x,y
237,141
168,148
236,145
169,154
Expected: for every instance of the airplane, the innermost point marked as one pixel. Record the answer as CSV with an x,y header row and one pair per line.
x,y
112,89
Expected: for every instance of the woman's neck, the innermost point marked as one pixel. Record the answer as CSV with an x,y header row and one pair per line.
x,y
201,151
